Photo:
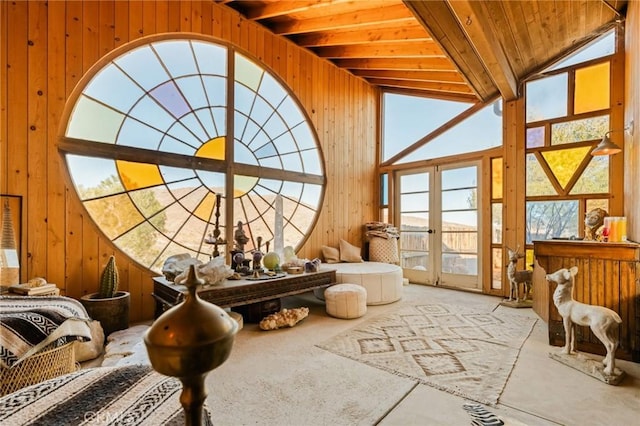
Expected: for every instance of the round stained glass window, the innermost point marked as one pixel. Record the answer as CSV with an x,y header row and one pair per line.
x,y
175,139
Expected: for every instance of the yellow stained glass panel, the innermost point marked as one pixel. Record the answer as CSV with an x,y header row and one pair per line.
x,y
138,175
496,177
205,208
564,162
213,149
592,88
537,180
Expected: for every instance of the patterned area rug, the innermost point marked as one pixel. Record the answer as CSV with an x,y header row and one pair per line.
x,y
456,349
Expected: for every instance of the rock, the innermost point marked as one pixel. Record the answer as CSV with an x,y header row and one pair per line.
x,y
286,317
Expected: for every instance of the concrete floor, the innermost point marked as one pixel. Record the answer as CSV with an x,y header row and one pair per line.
x,y
281,378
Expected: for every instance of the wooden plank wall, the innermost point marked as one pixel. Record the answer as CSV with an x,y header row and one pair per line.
x,y
632,113
47,47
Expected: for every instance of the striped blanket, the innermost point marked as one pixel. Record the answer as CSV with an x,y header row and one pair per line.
x,y
30,324
125,395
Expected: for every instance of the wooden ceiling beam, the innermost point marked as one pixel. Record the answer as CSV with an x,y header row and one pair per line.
x,y
280,8
440,21
307,9
404,49
445,96
481,34
433,64
364,34
423,85
397,14
444,76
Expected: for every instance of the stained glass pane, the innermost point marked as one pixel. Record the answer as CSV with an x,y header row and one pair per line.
x,y
565,162
592,88
496,177
247,72
595,178
537,180
535,137
138,175
592,128
547,98
87,112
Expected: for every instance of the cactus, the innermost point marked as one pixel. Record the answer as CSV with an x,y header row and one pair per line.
x,y
109,280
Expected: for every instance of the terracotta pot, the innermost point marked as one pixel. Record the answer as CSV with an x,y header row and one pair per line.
x,y
113,312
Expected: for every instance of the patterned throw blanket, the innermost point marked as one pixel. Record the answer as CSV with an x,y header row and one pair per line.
x,y
30,324
126,395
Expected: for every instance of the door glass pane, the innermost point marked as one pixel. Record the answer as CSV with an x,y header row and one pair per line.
x,y
462,264
459,223
415,260
415,221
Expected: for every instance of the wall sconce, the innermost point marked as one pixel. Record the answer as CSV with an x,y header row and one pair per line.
x,y
606,147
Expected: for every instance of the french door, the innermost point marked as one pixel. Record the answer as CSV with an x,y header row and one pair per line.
x,y
439,221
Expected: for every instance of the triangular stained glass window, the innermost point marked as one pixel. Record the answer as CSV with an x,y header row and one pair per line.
x,y
565,162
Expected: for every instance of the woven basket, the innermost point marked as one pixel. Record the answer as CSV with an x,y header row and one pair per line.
x,y
41,366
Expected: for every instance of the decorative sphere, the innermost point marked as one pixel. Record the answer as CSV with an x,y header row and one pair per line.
x,y
270,260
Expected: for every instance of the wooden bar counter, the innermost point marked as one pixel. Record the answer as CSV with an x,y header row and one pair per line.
x,y
608,275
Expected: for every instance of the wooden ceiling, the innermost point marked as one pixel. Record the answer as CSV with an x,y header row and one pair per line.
x,y
467,50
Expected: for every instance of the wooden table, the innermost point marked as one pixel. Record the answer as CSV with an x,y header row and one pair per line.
x,y
234,293
608,275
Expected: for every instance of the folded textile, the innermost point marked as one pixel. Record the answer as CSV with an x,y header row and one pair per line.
x,y
128,395
24,333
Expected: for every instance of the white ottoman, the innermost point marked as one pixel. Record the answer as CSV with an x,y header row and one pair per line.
x,y
346,301
383,281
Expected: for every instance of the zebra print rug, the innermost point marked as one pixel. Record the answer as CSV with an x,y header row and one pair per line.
x,y
129,395
460,350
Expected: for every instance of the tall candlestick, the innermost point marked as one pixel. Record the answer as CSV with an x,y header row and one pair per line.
x,y
278,238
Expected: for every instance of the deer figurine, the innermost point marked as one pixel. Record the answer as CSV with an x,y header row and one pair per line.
x,y
518,277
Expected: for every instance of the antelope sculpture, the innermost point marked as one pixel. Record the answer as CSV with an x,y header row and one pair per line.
x,y
518,277
604,322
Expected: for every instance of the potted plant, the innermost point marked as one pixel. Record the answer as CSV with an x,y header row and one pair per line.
x,y
109,306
